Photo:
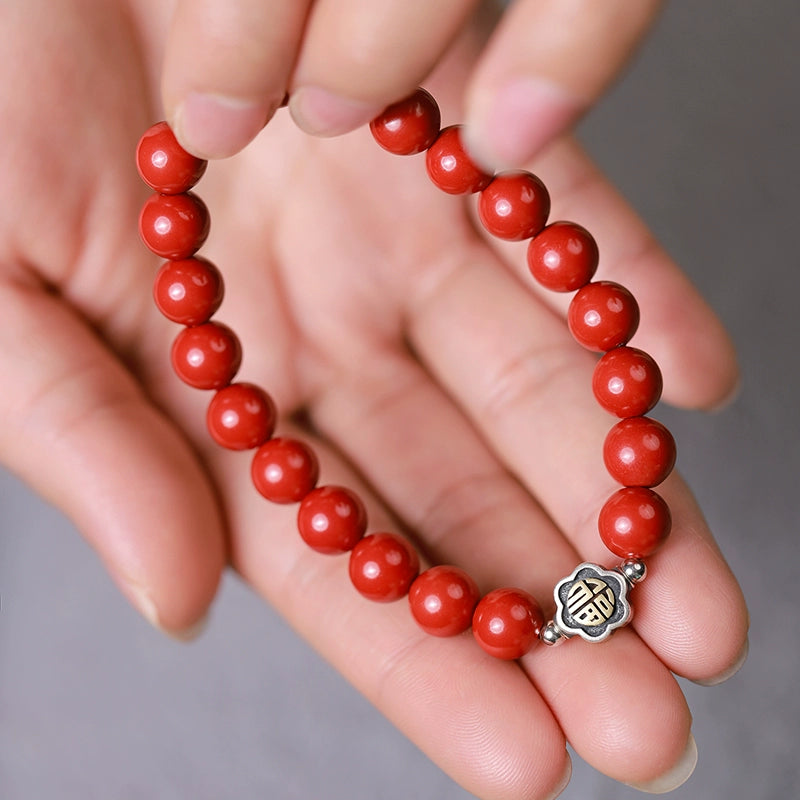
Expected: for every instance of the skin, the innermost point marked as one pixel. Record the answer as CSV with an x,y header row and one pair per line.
x,y
407,346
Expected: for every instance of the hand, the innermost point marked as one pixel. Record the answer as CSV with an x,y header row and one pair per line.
x,y
229,64
429,368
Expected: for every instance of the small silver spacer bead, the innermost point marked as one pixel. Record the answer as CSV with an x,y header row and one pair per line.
x,y
634,570
551,635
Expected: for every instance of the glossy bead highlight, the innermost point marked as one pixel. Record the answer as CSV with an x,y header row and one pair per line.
x,y
627,382
639,451
563,257
450,167
409,126
634,522
603,315
188,291
174,225
164,165
284,470
382,567
514,206
207,356
241,416
331,520
443,599
507,622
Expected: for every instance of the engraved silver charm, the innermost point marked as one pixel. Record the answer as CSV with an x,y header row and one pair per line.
x,y
591,603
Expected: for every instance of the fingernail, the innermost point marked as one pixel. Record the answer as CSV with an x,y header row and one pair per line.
x,y
729,399
191,633
213,126
564,782
729,673
506,128
676,776
143,601
323,113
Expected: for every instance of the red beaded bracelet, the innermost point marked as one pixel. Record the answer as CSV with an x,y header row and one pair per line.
x,y
639,452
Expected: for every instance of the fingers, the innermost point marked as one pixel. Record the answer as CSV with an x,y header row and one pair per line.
x,y
86,438
480,719
358,56
677,326
226,70
544,66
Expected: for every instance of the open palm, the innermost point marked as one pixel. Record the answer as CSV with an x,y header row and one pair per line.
x,y
412,350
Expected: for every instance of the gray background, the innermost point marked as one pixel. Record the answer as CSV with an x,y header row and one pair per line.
x,y
702,136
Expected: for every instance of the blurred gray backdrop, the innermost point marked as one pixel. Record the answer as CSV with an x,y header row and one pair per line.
x,y
702,136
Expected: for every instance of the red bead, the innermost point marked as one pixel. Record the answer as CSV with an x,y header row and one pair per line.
x,y
627,382
450,167
563,257
442,600
603,315
174,225
639,451
284,470
634,522
383,566
188,291
241,416
409,126
507,622
207,356
164,165
331,520
514,206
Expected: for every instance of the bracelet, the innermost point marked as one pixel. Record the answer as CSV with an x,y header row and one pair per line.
x,y
639,452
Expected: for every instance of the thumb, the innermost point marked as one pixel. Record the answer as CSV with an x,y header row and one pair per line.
x,y
86,438
544,66
226,69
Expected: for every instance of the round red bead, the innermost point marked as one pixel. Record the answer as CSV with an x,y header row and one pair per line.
x,y
241,416
450,167
207,356
639,451
507,622
164,165
331,520
174,225
409,126
563,257
284,470
603,315
188,291
634,522
514,206
383,566
627,382
443,599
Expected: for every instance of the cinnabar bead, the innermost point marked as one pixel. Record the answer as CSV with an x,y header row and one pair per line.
x,y
409,126
174,225
627,382
443,600
451,168
284,470
507,622
241,416
639,451
383,566
207,356
514,206
634,522
603,315
331,520
164,165
188,291
563,257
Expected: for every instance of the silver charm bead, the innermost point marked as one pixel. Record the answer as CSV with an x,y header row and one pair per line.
x,y
551,635
634,570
